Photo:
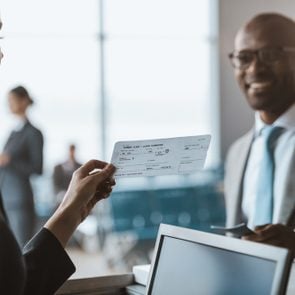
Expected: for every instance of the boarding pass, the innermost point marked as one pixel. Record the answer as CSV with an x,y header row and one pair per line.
x,y
179,155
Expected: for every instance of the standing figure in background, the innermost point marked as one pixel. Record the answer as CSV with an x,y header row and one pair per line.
x,y
22,156
63,172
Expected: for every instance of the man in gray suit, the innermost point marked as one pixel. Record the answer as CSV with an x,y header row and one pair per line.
x,y
63,173
260,166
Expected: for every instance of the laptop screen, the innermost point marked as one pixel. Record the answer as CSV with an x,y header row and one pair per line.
x,y
186,267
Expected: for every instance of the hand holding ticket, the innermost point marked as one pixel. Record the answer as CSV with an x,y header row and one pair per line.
x,y
179,155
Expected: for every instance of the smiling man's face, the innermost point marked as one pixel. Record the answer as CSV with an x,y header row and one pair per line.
x,y
268,87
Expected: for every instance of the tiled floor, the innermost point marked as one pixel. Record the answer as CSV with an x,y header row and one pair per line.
x,y
113,260
119,254
88,264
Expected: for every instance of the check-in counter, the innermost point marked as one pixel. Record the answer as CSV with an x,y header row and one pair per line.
x,y
124,284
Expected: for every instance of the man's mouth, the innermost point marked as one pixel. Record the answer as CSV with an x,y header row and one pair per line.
x,y
257,86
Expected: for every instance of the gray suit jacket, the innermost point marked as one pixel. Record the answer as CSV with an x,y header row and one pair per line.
x,y
234,173
25,148
62,177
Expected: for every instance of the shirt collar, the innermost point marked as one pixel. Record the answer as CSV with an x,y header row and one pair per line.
x,y
19,124
286,120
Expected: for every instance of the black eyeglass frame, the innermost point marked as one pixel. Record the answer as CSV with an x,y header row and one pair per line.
x,y
259,54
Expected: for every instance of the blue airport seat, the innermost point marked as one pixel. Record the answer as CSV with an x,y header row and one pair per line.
x,y
141,211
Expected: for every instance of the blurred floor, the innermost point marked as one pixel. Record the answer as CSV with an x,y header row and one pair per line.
x,y
117,257
89,264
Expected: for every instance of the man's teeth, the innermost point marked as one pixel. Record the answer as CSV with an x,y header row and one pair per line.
x,y
257,85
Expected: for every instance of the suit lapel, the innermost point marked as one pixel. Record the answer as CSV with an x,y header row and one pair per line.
x,y
240,171
286,212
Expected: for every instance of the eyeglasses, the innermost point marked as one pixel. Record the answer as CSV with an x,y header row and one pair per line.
x,y
242,59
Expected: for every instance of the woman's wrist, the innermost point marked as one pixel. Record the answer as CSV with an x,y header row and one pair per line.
x,y
63,223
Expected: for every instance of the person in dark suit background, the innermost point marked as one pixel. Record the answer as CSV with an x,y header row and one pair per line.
x,y
44,265
22,156
63,172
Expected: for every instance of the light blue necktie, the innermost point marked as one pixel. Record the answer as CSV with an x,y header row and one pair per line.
x,y
264,196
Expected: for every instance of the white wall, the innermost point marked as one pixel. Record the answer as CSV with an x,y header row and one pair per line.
x,y
236,117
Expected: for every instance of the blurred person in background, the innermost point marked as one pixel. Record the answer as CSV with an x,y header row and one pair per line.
x,y
63,172
44,265
22,156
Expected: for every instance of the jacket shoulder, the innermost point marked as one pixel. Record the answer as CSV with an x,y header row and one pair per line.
x,y
32,130
237,145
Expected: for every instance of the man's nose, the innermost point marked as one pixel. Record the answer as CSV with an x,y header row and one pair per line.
x,y
256,65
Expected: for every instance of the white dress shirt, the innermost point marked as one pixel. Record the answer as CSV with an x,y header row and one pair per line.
x,y
287,121
19,123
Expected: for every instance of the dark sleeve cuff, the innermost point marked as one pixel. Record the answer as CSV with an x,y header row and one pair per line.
x,y
47,263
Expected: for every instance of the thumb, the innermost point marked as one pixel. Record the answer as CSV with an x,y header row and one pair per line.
x,y
104,174
88,167
260,227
